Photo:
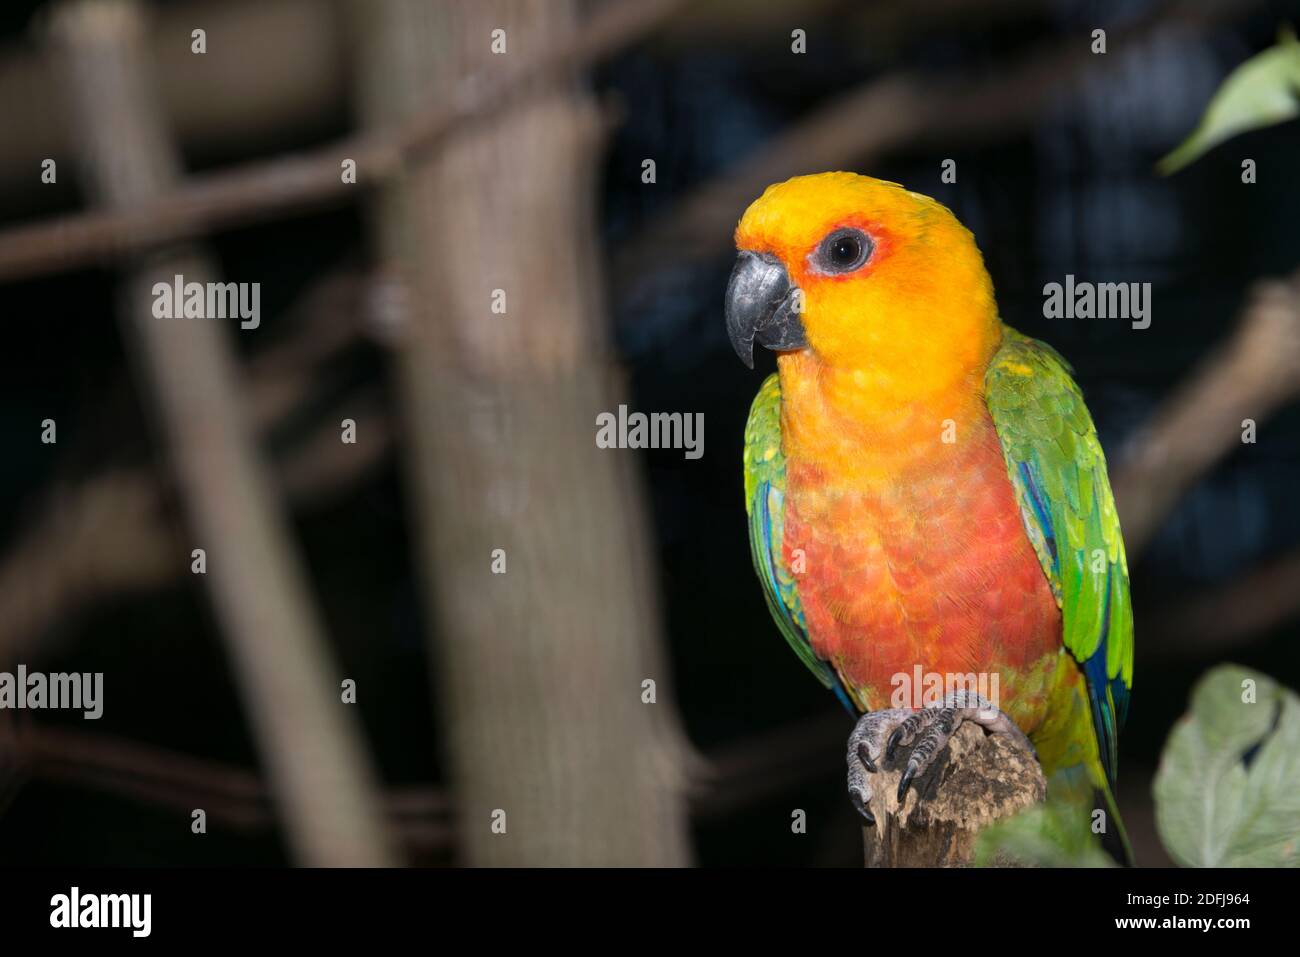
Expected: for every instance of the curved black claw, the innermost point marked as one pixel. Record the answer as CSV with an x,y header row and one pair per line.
x,y
862,808
866,748
905,781
864,755
892,746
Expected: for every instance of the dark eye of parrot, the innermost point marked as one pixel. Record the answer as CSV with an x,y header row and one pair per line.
x,y
843,251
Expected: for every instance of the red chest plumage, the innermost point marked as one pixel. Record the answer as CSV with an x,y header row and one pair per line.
x,y
927,565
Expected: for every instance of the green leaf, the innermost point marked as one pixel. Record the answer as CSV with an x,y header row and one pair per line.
x,y
1044,835
1228,788
1263,91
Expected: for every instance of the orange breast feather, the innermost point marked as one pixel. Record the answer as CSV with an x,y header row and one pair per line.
x,y
913,553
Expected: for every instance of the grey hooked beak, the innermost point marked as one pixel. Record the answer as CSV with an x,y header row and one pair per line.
x,y
762,305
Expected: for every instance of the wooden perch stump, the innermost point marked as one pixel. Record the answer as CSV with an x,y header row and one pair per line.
x,y
977,779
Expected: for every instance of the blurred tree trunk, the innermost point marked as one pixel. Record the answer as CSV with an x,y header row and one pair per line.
x,y
310,743
539,670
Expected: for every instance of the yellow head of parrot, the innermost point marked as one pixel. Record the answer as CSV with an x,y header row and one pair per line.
x,y
864,276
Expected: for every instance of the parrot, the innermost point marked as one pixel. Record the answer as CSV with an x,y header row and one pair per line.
x,y
925,490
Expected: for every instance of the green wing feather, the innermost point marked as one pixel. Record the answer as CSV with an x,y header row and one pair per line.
x,y
1059,474
765,504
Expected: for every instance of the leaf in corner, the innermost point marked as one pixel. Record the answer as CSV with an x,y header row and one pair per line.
x,y
1263,91
1228,788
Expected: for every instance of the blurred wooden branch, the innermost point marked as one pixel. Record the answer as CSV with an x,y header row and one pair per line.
x,y
540,660
295,182
887,114
1210,623
310,744
280,66
865,122
742,774
232,797
1256,373
751,27
114,533
276,63
766,765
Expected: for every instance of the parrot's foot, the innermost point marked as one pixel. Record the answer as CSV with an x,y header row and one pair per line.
x,y
878,735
